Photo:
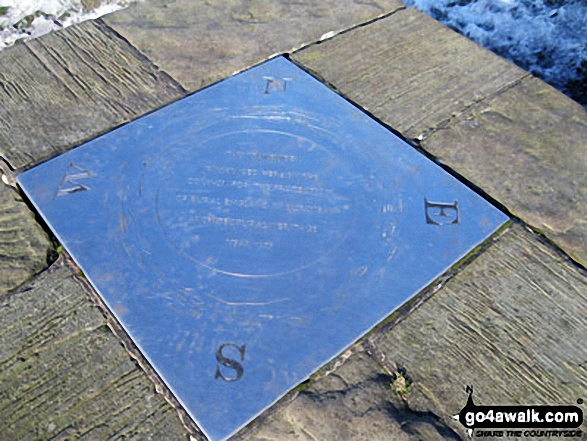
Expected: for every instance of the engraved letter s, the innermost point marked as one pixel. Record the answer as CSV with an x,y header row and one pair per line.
x,y
230,363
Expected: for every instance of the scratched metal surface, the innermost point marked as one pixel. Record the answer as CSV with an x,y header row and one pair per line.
x,y
247,234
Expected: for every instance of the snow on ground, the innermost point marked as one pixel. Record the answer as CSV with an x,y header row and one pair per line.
x,y
25,19
548,38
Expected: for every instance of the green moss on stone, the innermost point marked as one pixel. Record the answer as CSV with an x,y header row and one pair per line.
x,y
475,251
4,10
401,385
302,386
28,20
90,5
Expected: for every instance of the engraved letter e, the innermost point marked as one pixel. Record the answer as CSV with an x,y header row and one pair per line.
x,y
230,363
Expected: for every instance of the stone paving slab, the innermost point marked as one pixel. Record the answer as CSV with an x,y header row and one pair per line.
x,y
409,70
359,400
527,148
199,42
64,374
511,324
24,246
512,135
72,85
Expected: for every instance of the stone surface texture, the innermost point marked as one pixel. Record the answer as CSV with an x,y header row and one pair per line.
x,y
356,401
24,246
409,70
199,42
511,324
64,374
536,165
72,85
512,135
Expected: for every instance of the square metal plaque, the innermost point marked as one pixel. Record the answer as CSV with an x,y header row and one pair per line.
x,y
249,233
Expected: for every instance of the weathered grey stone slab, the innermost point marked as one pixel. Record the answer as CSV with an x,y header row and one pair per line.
x,y
63,373
409,70
23,243
72,85
359,400
512,324
526,147
200,41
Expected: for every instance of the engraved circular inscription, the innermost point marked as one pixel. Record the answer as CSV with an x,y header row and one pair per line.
x,y
259,202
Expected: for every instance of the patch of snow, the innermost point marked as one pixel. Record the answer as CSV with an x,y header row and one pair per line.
x,y
26,19
548,38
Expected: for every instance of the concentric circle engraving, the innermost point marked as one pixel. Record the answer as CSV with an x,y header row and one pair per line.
x,y
258,202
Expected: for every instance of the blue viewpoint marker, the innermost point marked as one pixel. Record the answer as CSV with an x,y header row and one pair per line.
x,y
249,233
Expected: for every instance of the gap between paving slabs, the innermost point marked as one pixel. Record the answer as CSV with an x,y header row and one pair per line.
x,y
544,177
24,246
357,400
423,74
